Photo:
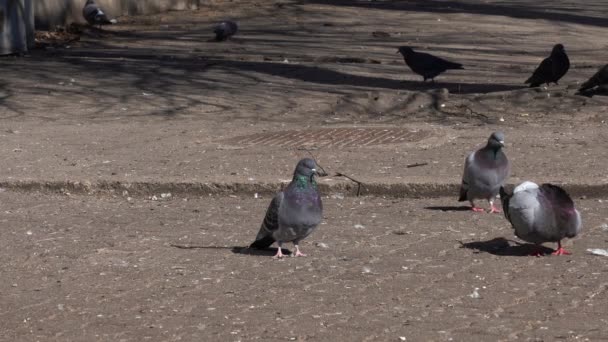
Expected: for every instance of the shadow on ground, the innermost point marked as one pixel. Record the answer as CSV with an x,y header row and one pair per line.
x,y
502,246
545,10
259,252
245,250
450,208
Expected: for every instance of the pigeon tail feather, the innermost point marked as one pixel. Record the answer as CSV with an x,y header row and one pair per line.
x,y
452,65
262,243
587,85
504,199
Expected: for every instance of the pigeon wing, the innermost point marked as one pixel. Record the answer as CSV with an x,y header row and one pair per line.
x,y
567,219
542,74
270,224
467,174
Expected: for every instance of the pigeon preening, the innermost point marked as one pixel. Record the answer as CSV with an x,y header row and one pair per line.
x,y
551,69
485,171
600,80
293,213
540,214
94,15
426,65
225,30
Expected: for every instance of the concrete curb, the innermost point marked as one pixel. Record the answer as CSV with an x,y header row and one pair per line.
x,y
185,189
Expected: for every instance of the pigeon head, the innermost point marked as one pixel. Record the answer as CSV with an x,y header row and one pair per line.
x,y
496,140
405,50
558,48
90,2
308,168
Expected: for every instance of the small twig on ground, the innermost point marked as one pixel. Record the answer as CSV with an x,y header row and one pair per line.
x,y
472,112
417,164
338,174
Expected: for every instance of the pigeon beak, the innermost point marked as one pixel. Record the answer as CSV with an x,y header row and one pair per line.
x,y
502,143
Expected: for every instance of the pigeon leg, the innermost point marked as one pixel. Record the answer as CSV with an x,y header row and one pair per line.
x,y
493,209
560,250
279,254
474,208
298,253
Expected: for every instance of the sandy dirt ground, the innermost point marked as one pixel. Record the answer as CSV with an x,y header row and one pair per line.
x,y
151,106
84,268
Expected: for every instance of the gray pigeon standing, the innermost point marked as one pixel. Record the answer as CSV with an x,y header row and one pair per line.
x,y
426,65
94,15
599,79
485,171
293,213
225,30
541,214
552,68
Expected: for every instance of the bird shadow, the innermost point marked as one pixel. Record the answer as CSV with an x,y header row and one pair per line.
x,y
259,252
449,208
245,250
501,246
593,92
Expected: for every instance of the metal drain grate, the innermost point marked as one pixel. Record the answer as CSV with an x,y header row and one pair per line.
x,y
332,137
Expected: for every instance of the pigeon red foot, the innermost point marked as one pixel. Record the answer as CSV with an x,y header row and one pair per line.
x,y
560,250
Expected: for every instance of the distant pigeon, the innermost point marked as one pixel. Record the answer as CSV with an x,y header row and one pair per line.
x,y
426,65
225,30
485,171
552,68
293,213
94,15
541,214
600,80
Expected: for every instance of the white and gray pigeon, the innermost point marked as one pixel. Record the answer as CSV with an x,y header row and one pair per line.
x,y
485,171
225,30
93,14
293,213
540,214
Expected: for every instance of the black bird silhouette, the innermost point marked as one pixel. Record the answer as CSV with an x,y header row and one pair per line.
x,y
225,30
425,64
600,79
94,15
552,68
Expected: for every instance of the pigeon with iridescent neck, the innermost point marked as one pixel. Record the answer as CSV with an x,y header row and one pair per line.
x,y
485,171
540,214
293,213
